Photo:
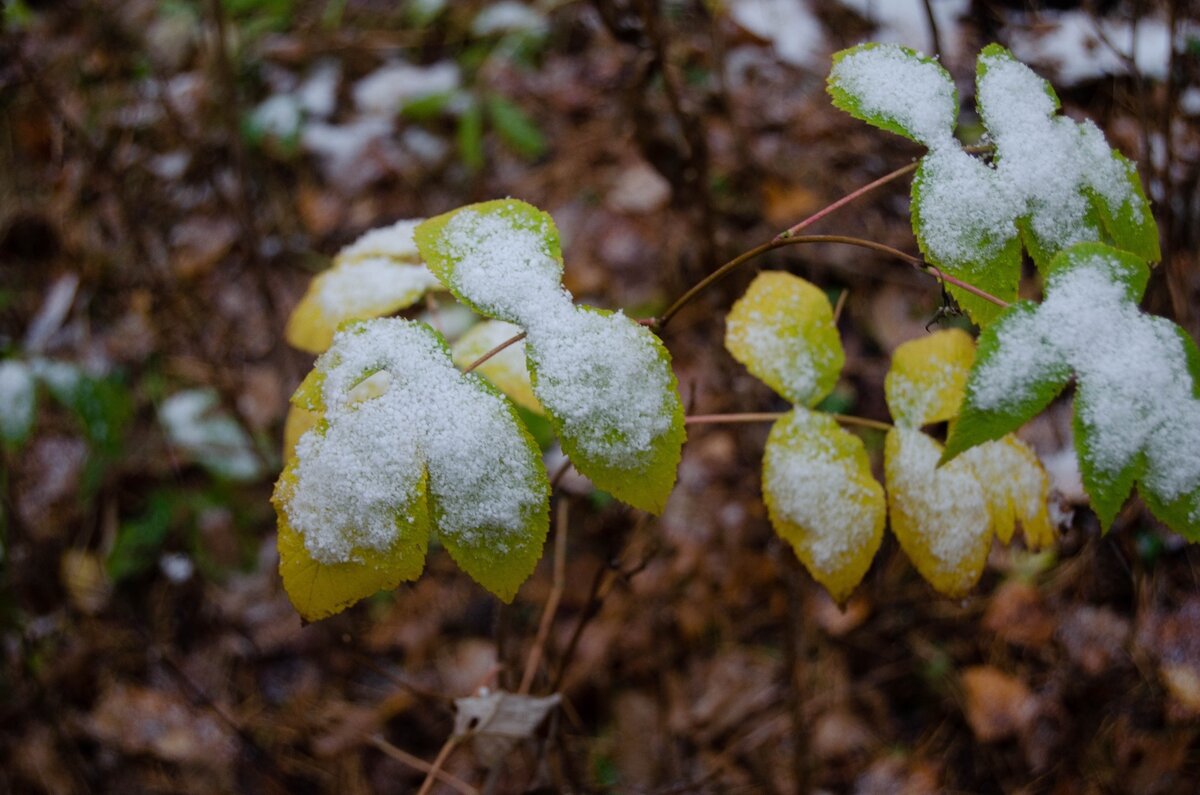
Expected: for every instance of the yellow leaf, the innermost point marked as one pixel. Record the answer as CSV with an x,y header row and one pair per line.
x,y
928,378
939,516
506,370
299,421
822,498
1015,488
319,590
782,330
356,289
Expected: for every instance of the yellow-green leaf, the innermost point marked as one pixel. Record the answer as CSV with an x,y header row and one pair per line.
x,y
319,590
506,370
354,290
939,515
1015,488
928,378
782,330
822,498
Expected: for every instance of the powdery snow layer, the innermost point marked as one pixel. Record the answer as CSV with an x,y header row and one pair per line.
x,y
816,488
392,242
917,95
600,374
354,289
1046,165
360,477
1134,390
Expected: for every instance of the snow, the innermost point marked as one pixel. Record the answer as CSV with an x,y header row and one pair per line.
x,y
1134,391
278,116
394,242
816,487
905,22
317,95
352,492
17,399
600,374
917,95
363,287
196,424
1079,47
386,90
508,16
945,506
790,26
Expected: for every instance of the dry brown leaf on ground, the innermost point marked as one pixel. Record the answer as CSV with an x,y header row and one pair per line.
x,y
495,721
998,706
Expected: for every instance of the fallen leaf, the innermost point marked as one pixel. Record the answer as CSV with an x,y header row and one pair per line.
x,y
998,706
495,721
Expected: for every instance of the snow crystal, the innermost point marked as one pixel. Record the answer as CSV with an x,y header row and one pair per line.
x,y
1134,391
944,505
391,242
356,480
16,398
600,374
816,488
917,95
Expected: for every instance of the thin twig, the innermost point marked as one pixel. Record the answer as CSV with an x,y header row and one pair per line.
x,y
933,30
840,305
741,259
435,768
508,342
560,578
865,189
418,763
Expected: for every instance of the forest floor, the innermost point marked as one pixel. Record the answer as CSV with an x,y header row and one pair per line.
x,y
172,175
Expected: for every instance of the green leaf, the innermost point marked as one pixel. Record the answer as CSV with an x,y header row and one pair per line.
x,y
384,464
138,541
1137,403
604,381
964,230
1042,379
470,137
642,477
498,558
895,89
446,240
1131,226
516,129
782,330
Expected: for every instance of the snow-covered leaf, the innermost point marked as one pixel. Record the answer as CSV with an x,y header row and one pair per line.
x,y
782,330
378,274
1015,488
604,381
822,498
939,515
384,463
1053,182
1137,406
927,377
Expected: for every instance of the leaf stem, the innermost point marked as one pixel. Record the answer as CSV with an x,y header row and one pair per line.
x,y
508,342
716,419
